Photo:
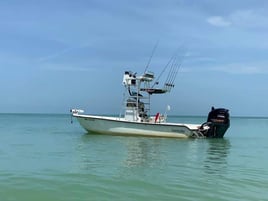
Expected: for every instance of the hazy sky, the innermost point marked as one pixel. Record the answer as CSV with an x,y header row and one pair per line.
x,y
55,55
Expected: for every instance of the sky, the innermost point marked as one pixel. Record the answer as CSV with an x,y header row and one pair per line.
x,y
56,55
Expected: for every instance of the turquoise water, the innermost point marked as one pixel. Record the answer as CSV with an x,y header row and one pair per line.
x,y
44,158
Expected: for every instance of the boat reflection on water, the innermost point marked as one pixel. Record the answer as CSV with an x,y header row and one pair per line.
x,y
125,156
143,152
217,153
208,156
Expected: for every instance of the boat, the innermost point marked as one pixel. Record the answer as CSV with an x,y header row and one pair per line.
x,y
135,118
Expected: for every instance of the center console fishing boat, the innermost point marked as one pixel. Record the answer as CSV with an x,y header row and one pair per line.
x,y
136,119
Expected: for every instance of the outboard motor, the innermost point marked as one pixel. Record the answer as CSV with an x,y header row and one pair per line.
x,y
217,123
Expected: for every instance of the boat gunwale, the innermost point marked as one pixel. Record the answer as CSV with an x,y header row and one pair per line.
x,y
192,127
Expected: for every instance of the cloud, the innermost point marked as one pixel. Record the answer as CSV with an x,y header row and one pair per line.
x,y
241,18
241,68
254,68
246,69
61,53
70,68
249,18
55,55
218,21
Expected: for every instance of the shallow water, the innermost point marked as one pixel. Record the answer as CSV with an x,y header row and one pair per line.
x,y
44,157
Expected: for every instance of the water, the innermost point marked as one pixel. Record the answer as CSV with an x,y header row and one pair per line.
x,y
44,158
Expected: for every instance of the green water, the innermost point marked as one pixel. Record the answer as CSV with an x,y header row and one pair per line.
x,y
45,158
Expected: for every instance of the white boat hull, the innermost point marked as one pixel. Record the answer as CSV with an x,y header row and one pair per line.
x,y
119,126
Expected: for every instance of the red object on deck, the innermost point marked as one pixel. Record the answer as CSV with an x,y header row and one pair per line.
x,y
156,117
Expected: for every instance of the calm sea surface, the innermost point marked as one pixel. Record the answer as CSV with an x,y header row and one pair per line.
x,y
45,158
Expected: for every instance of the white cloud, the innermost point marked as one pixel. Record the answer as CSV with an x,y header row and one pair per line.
x,y
241,18
232,68
249,18
242,68
218,21
61,67
55,55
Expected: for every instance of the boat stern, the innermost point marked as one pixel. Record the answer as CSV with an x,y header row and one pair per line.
x,y
217,124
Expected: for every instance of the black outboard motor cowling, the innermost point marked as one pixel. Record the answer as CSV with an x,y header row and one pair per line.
x,y
218,122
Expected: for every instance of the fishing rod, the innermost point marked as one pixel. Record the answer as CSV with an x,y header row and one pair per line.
x,y
174,64
160,75
173,73
151,56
